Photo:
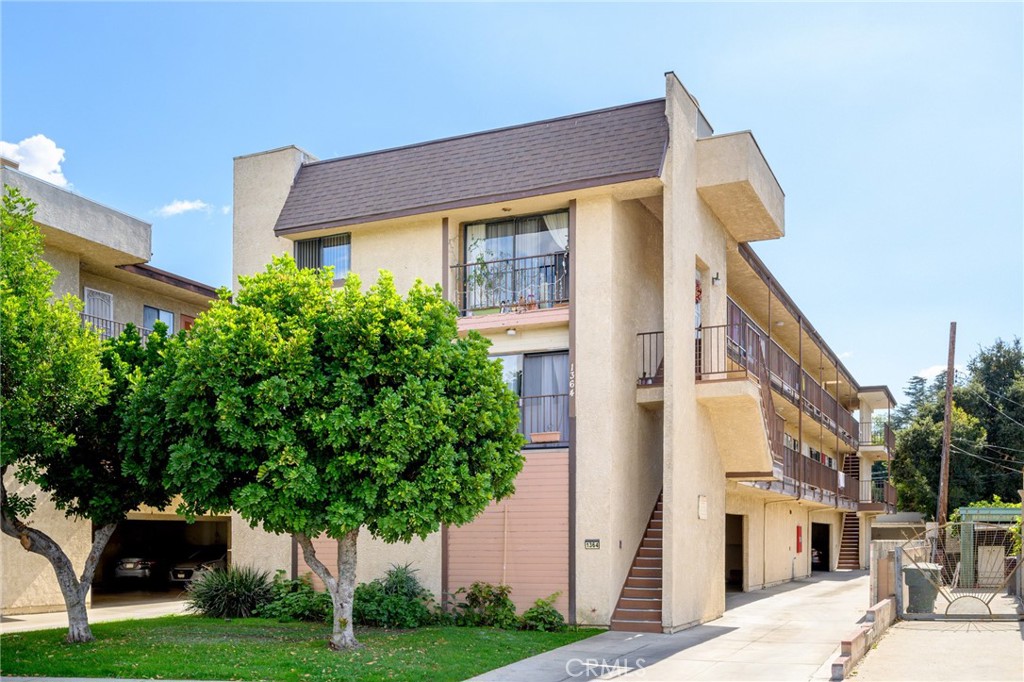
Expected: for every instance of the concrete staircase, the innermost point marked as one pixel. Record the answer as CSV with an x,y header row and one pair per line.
x,y
849,548
639,607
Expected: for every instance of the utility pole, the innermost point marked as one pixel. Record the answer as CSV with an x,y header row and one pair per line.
x,y
947,432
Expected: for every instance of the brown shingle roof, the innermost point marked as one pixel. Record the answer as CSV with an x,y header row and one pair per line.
x,y
596,148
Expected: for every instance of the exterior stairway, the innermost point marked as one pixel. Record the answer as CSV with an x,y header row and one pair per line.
x,y
639,607
849,549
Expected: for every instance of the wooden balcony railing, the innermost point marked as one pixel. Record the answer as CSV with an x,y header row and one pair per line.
x,y
108,329
850,488
512,284
650,356
820,476
544,419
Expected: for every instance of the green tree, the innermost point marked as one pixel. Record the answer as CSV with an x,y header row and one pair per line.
x,y
60,407
987,451
313,411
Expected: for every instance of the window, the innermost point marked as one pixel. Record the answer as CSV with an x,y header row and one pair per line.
x,y
541,380
99,304
151,315
515,264
99,312
517,237
334,251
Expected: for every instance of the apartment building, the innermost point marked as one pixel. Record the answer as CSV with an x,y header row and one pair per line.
x,y
688,430
101,256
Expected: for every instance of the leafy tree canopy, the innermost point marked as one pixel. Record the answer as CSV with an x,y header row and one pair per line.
x,y
317,411
62,406
987,451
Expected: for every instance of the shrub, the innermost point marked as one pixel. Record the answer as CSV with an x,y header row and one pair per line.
x,y
543,616
397,600
296,600
487,605
235,593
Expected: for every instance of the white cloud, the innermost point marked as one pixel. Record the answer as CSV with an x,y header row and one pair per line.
x,y
225,209
930,373
38,156
846,354
178,206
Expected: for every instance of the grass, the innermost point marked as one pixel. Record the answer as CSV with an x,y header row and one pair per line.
x,y
191,647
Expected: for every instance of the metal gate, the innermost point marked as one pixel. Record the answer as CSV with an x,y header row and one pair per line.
x,y
962,571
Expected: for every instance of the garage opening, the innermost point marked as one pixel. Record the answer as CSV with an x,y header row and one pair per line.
x,y
821,545
734,552
154,559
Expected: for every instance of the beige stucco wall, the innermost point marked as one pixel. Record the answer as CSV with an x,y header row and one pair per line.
x,y
261,184
375,557
256,547
694,588
67,264
618,448
129,300
410,250
28,582
769,535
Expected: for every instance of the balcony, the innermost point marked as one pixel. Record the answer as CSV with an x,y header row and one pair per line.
x,y
109,329
512,285
819,404
877,441
877,496
732,381
734,180
544,420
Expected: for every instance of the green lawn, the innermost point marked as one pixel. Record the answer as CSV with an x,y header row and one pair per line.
x,y
192,647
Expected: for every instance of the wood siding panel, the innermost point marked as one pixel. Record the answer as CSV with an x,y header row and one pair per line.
x,y
522,541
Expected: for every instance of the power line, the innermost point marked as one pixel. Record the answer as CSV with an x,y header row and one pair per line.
x,y
1000,412
989,445
987,461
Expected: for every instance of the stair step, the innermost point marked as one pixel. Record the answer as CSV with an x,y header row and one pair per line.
x,y
645,571
652,552
641,593
648,561
636,626
640,615
634,581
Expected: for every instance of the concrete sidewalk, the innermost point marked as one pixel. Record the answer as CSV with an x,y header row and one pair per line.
x,y
788,632
955,651
111,610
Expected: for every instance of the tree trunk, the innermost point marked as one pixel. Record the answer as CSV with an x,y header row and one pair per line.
x,y
74,589
343,637
341,589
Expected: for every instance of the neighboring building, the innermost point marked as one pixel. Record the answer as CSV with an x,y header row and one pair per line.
x,y
689,429
101,256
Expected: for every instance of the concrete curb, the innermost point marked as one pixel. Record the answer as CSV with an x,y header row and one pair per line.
x,y
879,618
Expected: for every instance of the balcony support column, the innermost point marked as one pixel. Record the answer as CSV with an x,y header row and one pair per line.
x,y
800,401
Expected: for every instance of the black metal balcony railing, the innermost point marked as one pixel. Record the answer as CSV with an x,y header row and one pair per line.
x,y
108,329
544,419
882,491
877,434
512,284
650,358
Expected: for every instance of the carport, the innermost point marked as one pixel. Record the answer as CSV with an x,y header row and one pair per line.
x,y
162,538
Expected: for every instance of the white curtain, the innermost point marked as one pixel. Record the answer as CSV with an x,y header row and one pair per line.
x,y
558,226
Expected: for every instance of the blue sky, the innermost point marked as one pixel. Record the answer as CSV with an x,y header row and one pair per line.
x,y
895,130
